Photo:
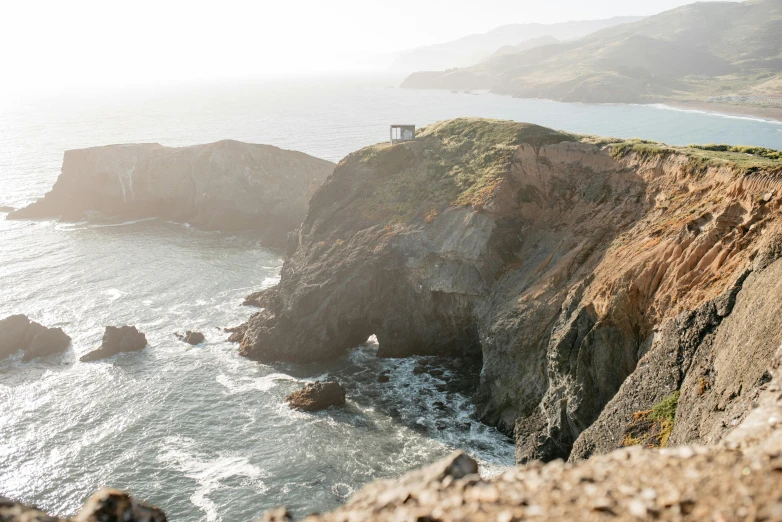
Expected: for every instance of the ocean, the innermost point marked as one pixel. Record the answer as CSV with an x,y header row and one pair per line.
x,y
200,431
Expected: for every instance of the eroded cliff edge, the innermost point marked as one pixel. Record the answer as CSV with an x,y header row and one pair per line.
x,y
228,185
561,259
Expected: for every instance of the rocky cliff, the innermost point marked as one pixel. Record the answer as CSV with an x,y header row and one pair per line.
x,y
563,260
226,185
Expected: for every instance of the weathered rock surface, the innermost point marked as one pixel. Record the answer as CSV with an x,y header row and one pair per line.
x,y
189,337
555,257
17,332
716,356
117,340
316,396
107,505
228,185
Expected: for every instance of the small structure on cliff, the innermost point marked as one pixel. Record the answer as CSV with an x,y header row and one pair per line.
x,y
400,133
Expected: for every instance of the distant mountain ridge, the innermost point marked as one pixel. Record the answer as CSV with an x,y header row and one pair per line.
x,y
725,52
524,46
471,49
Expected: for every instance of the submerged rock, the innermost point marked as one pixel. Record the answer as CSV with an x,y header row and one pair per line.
x,y
189,337
316,396
17,332
117,340
228,185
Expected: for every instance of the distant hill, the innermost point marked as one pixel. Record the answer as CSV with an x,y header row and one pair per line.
x,y
524,46
718,52
474,48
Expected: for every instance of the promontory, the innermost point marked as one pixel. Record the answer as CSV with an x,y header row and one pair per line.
x,y
228,185
616,292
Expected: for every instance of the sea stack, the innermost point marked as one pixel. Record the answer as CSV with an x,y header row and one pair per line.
x,y
228,185
17,332
117,340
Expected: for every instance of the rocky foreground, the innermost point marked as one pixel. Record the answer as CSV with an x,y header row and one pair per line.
x,y
618,292
228,185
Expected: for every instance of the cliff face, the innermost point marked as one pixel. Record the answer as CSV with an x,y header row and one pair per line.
x,y
226,185
558,258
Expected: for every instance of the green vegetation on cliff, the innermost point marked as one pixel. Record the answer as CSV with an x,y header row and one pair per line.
x,y
452,163
653,428
742,158
464,161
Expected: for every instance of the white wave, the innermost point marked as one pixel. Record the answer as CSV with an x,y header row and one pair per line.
x,y
180,453
86,225
270,281
245,384
662,106
113,294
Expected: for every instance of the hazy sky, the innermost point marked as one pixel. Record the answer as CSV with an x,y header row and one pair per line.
x,y
55,44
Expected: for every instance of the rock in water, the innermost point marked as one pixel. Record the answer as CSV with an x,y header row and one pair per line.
x,y
317,396
12,332
47,342
189,337
228,185
117,340
6,210
17,332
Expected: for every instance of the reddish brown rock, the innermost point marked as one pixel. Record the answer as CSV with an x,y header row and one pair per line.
x,y
189,337
317,396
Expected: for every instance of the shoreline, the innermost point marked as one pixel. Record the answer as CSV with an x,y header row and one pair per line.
x,y
727,109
